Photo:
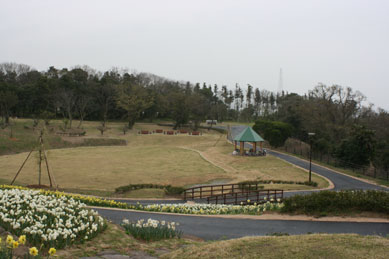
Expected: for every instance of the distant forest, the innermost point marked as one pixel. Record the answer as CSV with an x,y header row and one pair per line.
x,y
344,127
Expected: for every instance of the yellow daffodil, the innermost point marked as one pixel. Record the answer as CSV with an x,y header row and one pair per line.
x,y
52,251
15,244
10,239
33,251
22,239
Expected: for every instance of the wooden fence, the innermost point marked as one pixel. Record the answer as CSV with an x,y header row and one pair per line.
x,y
205,191
247,197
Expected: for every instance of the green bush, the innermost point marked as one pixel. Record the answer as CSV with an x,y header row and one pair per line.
x,y
174,190
171,190
241,184
321,203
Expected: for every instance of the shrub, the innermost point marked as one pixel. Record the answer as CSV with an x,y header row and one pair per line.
x,y
151,230
171,190
320,203
241,184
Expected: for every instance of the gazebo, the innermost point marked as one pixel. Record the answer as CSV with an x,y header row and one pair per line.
x,y
248,135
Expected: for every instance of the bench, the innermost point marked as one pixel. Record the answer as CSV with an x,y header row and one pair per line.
x,y
159,131
169,132
196,133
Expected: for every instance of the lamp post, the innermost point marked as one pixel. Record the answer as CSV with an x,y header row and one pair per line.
x,y
310,134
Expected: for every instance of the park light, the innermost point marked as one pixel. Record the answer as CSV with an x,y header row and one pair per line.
x,y
310,134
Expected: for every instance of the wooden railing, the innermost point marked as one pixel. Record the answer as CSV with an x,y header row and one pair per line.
x,y
247,197
204,191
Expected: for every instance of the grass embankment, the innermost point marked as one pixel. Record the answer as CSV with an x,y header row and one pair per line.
x,y
115,239
302,246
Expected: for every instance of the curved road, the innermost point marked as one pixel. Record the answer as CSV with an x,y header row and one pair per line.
x,y
213,228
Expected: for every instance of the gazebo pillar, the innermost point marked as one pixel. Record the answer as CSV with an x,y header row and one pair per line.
x,y
241,148
234,144
260,144
255,147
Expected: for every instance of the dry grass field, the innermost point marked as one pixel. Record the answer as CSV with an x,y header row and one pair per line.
x,y
179,160
340,246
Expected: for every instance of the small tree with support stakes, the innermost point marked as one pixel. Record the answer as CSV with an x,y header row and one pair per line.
x,y
41,156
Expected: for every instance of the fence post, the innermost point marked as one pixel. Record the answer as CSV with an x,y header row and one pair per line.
x,y
268,194
192,193
236,198
201,192
185,195
224,196
257,196
211,190
222,189
216,198
232,188
208,200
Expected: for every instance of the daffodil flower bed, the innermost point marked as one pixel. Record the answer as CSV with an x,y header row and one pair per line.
x,y
46,219
213,209
206,209
151,230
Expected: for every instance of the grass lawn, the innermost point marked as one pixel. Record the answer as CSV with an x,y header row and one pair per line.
x,y
302,246
105,168
179,160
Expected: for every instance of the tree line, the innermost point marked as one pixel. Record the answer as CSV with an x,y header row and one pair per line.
x,y
344,126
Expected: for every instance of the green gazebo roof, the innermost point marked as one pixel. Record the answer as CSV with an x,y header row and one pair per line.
x,y
248,135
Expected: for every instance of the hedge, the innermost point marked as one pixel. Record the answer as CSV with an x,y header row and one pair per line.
x,y
171,190
335,202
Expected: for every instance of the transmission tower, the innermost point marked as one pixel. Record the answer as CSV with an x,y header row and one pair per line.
x,y
280,83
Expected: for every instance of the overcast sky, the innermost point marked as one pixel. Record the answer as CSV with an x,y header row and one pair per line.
x,y
224,42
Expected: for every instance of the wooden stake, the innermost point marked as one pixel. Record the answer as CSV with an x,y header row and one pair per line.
x,y
40,167
20,169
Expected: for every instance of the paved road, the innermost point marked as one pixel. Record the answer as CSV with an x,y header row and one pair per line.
x,y
210,228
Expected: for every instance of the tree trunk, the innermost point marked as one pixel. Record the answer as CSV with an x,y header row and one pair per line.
x,y
81,120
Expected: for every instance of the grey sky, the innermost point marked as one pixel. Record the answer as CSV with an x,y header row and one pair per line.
x,y
225,42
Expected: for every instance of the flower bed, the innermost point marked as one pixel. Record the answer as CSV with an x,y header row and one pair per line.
x,y
151,230
46,219
213,209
